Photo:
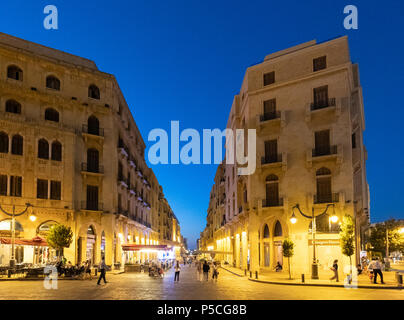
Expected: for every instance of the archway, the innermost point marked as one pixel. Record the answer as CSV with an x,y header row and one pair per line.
x,y
90,247
278,239
266,247
103,244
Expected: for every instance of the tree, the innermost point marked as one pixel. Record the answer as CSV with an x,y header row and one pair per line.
x,y
287,251
377,238
347,238
59,237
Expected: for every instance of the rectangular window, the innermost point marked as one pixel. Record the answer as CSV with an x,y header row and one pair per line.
x,y
319,63
320,97
271,151
92,198
322,142
15,186
56,190
353,140
3,185
42,189
269,78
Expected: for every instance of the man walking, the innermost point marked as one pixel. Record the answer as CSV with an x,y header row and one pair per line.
x,y
103,268
335,270
376,266
206,269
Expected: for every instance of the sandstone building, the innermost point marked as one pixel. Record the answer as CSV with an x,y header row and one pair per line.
x,y
306,105
70,147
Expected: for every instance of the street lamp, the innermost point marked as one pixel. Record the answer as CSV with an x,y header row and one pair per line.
x,y
13,215
293,220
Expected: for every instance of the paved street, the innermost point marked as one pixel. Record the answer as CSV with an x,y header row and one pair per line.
x,y
140,286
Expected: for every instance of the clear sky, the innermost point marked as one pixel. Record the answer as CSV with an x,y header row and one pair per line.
x,y
185,60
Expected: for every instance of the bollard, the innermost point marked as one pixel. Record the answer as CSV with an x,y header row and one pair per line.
x,y
302,277
256,274
250,274
95,271
9,273
399,279
245,272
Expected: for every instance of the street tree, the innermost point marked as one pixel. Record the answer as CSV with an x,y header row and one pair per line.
x,y
388,229
59,237
287,251
347,238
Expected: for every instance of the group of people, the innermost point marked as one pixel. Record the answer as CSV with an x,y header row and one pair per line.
x,y
373,269
81,270
203,270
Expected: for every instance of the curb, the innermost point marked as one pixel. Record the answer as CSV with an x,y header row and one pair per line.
x,y
326,285
236,274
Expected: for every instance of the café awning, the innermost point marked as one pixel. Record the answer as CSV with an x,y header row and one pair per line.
x,y
37,241
138,247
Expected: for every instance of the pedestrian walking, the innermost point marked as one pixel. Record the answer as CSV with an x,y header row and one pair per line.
x,y
215,272
334,268
205,270
376,267
103,268
199,271
177,272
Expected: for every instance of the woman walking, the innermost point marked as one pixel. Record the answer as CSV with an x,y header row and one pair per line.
x,y
177,272
215,272
335,270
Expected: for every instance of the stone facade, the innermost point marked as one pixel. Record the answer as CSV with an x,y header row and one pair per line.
x,y
93,176
307,108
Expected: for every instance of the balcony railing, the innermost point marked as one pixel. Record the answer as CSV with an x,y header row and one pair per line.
x,y
322,104
86,167
94,131
91,205
272,202
326,198
270,116
324,151
273,158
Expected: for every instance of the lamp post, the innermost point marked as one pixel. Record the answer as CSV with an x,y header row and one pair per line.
x,y
293,220
13,214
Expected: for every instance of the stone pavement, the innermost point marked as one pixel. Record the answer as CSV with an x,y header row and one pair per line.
x,y
361,281
139,286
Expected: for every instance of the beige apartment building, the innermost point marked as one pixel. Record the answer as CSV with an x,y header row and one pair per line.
x,y
70,147
306,105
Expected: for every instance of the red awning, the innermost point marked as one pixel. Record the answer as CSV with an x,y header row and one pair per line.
x,y
37,241
137,247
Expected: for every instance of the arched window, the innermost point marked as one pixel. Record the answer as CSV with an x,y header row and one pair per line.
x,y
13,106
93,160
17,145
93,92
43,149
44,228
3,142
56,151
278,229
52,83
90,231
14,72
266,232
51,115
93,125
323,184
271,191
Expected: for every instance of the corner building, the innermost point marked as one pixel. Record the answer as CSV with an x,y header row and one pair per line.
x,y
306,105
69,146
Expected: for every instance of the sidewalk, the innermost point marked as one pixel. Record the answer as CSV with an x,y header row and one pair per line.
x,y
282,278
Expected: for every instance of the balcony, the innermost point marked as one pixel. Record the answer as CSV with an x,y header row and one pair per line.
x,y
92,168
267,203
323,107
322,104
139,173
99,132
91,205
270,116
132,163
132,191
272,158
122,182
326,198
270,121
325,153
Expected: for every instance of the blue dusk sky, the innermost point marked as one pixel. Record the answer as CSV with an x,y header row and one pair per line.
x,y
185,60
